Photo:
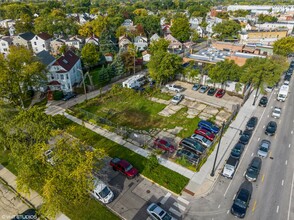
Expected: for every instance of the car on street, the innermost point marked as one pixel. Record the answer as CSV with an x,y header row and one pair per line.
x,y
263,101
237,150
251,124
271,128
124,167
69,96
196,86
287,77
245,137
277,112
264,148
188,155
220,93
241,203
202,140
203,89
269,89
158,213
253,169
177,99
211,91
27,214
208,126
164,145
102,192
174,87
205,133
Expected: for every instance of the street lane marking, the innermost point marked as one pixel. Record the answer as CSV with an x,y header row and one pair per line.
x,y
181,199
258,139
165,198
282,182
286,162
268,116
244,173
234,197
292,132
289,145
290,200
252,154
183,208
228,211
264,126
278,207
175,212
262,179
228,188
272,106
218,206
254,206
280,122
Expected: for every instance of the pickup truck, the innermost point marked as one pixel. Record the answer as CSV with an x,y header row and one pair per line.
x,y
277,112
174,87
230,167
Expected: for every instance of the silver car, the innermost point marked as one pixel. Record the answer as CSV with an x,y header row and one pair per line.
x,y
177,98
264,148
202,140
157,213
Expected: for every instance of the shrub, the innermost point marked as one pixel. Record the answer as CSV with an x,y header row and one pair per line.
x,y
57,95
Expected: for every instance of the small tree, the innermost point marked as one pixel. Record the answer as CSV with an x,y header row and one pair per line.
x,y
90,55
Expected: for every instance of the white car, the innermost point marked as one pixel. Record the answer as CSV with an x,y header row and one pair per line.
x,y
202,140
174,87
177,98
157,213
277,112
102,192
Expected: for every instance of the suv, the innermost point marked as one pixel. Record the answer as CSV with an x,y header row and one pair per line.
x,y
271,128
124,167
253,169
164,145
202,140
237,150
263,101
241,203
208,126
251,124
245,137
264,148
192,145
102,192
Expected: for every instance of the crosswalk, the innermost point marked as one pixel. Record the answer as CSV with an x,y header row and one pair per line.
x,y
179,206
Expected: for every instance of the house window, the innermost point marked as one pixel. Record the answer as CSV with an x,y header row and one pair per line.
x,y
68,85
36,38
43,45
3,44
35,43
63,86
62,76
52,77
66,75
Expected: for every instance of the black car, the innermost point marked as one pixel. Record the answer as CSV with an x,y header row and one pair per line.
x,y
253,169
287,77
245,137
237,150
211,91
188,155
271,128
251,124
69,96
241,203
263,101
28,214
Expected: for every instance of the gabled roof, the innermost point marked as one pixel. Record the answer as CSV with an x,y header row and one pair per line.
x,y
45,57
7,39
171,39
44,36
67,61
54,83
27,36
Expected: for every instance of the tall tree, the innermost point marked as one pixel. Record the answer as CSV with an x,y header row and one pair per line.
x,y
24,24
180,28
151,24
90,55
106,43
118,65
160,45
227,29
284,46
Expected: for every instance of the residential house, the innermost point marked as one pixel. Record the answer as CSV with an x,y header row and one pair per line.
x,y
55,45
194,23
128,23
92,40
5,43
11,30
65,72
272,26
41,42
146,56
141,43
154,37
166,29
24,39
7,23
200,31
108,57
174,43
75,42
123,42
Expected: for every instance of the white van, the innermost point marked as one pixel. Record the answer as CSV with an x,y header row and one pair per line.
x,y
102,192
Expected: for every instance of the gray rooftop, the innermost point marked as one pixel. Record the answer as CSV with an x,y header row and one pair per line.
x,y
45,57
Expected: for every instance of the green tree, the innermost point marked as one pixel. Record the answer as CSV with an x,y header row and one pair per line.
x,y
160,45
227,29
19,71
104,75
118,65
90,55
24,24
121,30
284,46
106,44
195,36
164,66
223,15
151,24
180,29
240,13
262,18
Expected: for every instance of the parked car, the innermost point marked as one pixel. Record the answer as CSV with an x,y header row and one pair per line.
x,y
196,86
157,213
263,101
271,128
124,167
188,155
269,89
220,93
69,96
264,148
202,140
164,145
237,150
27,214
211,91
287,77
174,87
205,133
192,145
102,192
177,99
230,167
203,89
138,88
277,112
245,137
251,124
241,203
253,169
208,126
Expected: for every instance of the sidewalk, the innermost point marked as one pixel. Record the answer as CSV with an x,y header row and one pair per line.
x,y
33,198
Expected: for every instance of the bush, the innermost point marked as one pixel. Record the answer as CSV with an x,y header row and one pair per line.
x,y
57,95
30,93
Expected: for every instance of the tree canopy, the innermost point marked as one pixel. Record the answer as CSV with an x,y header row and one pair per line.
x,y
180,28
284,46
90,55
160,45
262,18
227,29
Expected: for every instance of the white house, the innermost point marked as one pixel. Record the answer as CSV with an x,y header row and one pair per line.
x,y
141,43
92,40
194,22
11,30
200,31
146,56
76,42
273,26
65,72
154,37
41,42
5,43
123,42
7,23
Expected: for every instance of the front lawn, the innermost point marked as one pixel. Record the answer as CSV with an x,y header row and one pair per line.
x,y
161,175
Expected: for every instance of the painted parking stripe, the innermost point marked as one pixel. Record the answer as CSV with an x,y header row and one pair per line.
x,y
165,198
175,212
181,199
183,208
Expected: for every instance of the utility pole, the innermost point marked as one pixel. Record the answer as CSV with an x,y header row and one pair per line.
x,y
84,85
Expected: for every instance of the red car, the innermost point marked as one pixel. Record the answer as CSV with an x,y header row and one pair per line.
x,y
164,145
207,134
220,93
124,167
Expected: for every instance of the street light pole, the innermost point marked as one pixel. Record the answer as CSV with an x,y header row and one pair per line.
x,y
85,91
220,138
